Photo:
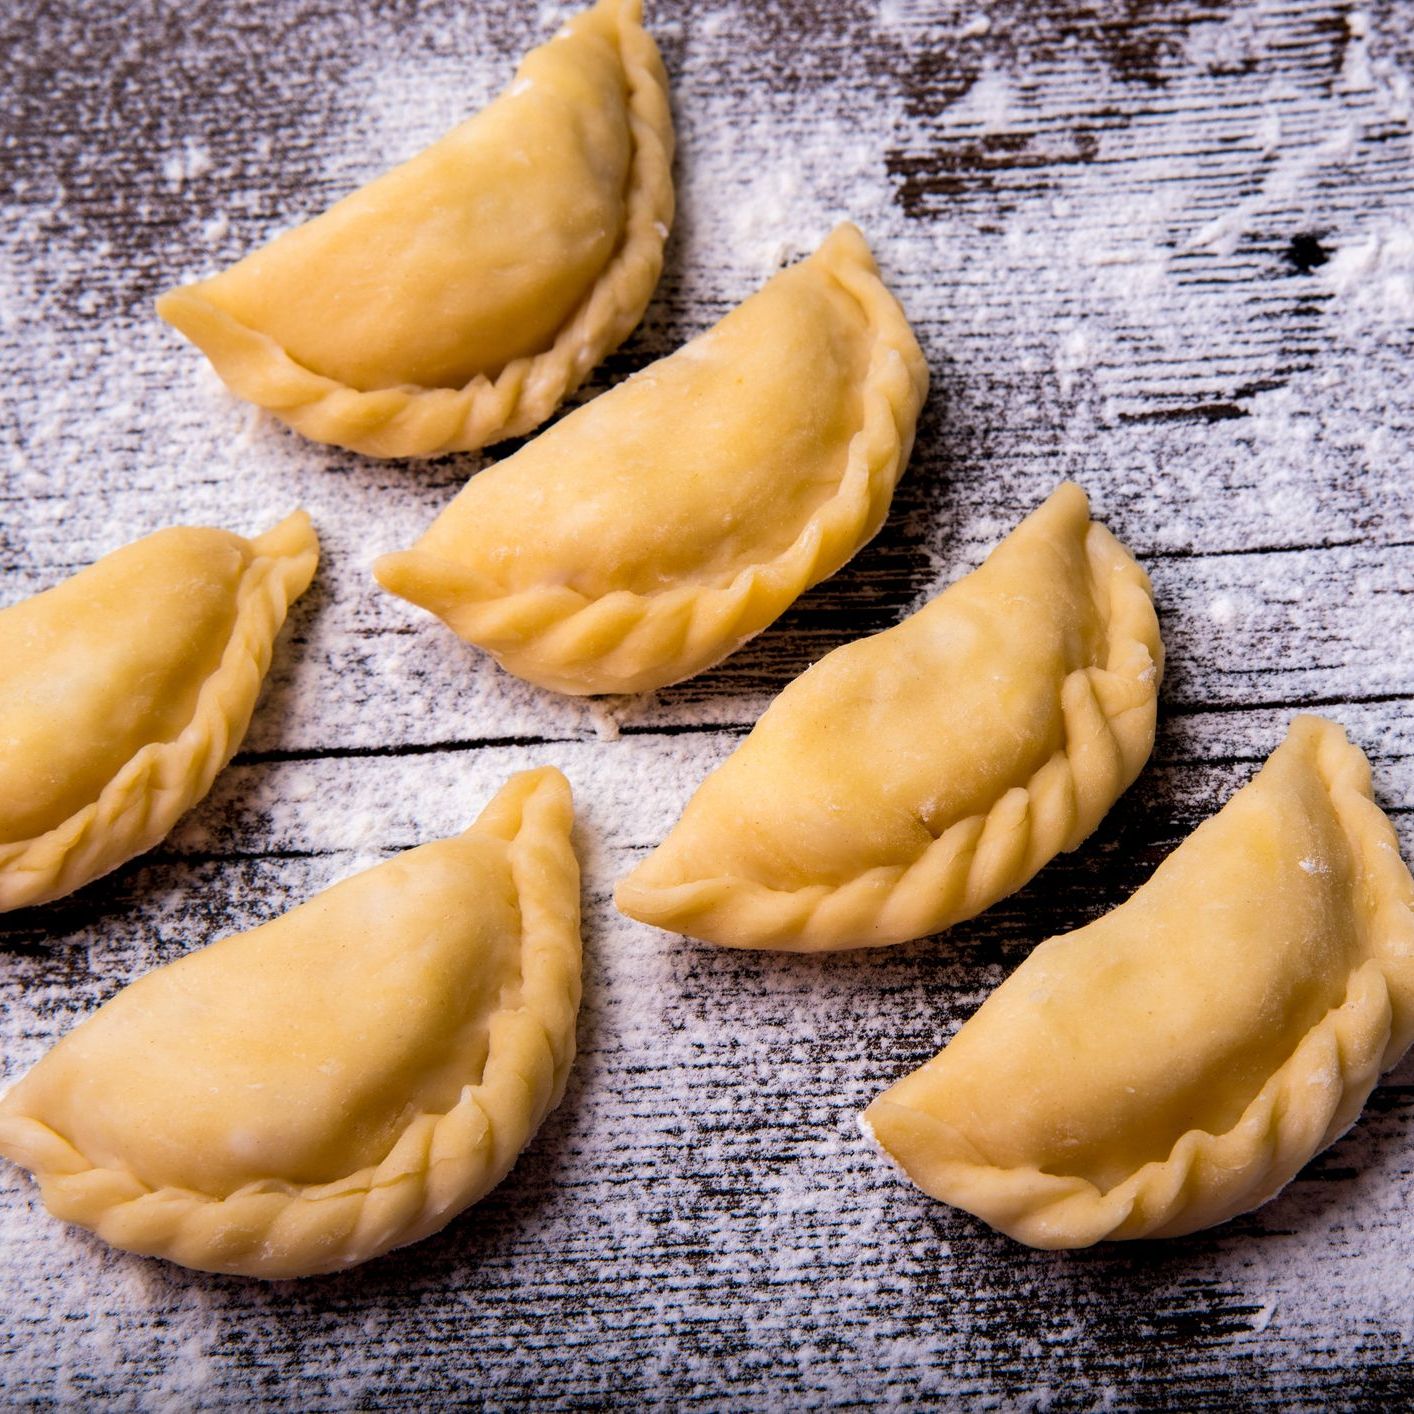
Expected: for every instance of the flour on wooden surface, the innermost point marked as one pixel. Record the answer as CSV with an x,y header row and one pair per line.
x,y
1180,273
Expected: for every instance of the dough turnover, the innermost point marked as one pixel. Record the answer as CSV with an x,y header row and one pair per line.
x,y
126,689
654,530
1177,1061
457,299
338,1082
909,780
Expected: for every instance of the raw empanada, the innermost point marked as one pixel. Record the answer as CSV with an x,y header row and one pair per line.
x,y
459,298
1177,1061
653,531
126,689
909,780
343,1080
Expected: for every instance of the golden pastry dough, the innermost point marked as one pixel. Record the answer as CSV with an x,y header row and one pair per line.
x,y
460,297
343,1080
126,689
653,531
909,780
1177,1061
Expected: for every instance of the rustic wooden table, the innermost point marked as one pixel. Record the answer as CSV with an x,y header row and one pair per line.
x,y
1165,249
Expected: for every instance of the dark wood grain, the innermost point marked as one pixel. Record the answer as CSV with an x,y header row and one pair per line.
x,y
1114,224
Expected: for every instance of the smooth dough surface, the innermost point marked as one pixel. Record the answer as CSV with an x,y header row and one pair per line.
x,y
911,779
337,1082
1177,1061
126,689
460,297
654,530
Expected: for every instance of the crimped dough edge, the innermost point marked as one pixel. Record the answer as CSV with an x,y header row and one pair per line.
x,y
1109,713
626,642
1304,1106
438,1166
163,780
412,421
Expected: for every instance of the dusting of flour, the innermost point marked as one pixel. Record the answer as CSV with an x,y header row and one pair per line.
x,y
1192,291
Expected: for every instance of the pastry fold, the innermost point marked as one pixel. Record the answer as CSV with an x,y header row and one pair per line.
x,y
909,780
459,298
340,1081
1177,1061
126,689
653,531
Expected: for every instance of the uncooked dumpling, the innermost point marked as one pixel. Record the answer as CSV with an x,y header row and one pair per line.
x,y
1177,1061
909,780
126,689
654,530
460,297
340,1081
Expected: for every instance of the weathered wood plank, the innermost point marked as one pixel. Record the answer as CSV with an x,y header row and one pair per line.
x,y
1167,250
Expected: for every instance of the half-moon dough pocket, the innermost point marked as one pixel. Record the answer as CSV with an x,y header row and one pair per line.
x,y
1177,1061
126,689
653,531
340,1081
911,779
459,298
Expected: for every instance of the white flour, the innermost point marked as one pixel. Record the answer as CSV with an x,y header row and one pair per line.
x,y
1108,290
